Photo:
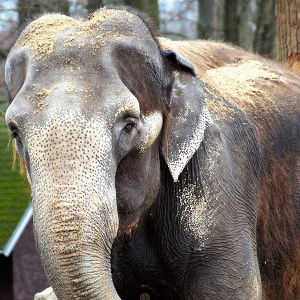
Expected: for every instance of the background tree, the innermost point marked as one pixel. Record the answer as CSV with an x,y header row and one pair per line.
x,y
264,39
210,19
179,19
28,9
207,15
93,5
150,7
288,32
231,21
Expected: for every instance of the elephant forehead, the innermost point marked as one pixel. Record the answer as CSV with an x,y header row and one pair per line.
x,y
123,105
109,103
49,30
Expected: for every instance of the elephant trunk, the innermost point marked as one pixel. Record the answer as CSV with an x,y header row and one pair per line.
x,y
74,241
75,212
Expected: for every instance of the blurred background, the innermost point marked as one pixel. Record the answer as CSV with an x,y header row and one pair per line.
x,y
268,27
248,23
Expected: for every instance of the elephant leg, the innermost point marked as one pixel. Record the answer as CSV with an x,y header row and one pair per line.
x,y
226,268
224,273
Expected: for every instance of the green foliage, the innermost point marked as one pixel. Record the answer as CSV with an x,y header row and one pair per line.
x,y
14,190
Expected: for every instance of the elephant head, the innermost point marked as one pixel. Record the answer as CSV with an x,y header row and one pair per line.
x,y
95,106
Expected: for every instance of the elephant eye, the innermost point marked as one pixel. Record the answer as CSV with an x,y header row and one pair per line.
x,y
129,127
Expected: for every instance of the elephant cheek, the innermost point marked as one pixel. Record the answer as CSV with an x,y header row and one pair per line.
x,y
152,125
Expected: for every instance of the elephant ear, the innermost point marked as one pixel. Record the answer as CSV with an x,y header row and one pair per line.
x,y
187,119
179,61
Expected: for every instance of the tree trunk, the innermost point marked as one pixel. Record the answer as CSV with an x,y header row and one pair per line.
x,y
206,19
93,5
231,21
28,9
57,6
288,31
150,7
264,39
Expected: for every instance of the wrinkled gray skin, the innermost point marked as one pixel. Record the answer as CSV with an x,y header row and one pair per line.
x,y
79,128
71,138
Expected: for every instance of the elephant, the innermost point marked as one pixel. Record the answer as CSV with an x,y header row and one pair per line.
x,y
158,169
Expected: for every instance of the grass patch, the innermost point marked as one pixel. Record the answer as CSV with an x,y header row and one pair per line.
x,y
14,189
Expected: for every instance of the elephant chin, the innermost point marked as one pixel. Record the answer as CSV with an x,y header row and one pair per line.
x,y
74,230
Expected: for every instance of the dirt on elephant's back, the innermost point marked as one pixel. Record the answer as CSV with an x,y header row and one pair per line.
x,y
250,86
238,80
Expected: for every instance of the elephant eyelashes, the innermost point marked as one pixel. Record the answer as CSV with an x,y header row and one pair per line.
x,y
15,136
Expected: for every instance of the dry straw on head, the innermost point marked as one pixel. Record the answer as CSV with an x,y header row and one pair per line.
x,y
42,34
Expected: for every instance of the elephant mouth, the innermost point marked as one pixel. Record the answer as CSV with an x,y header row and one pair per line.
x,y
129,228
